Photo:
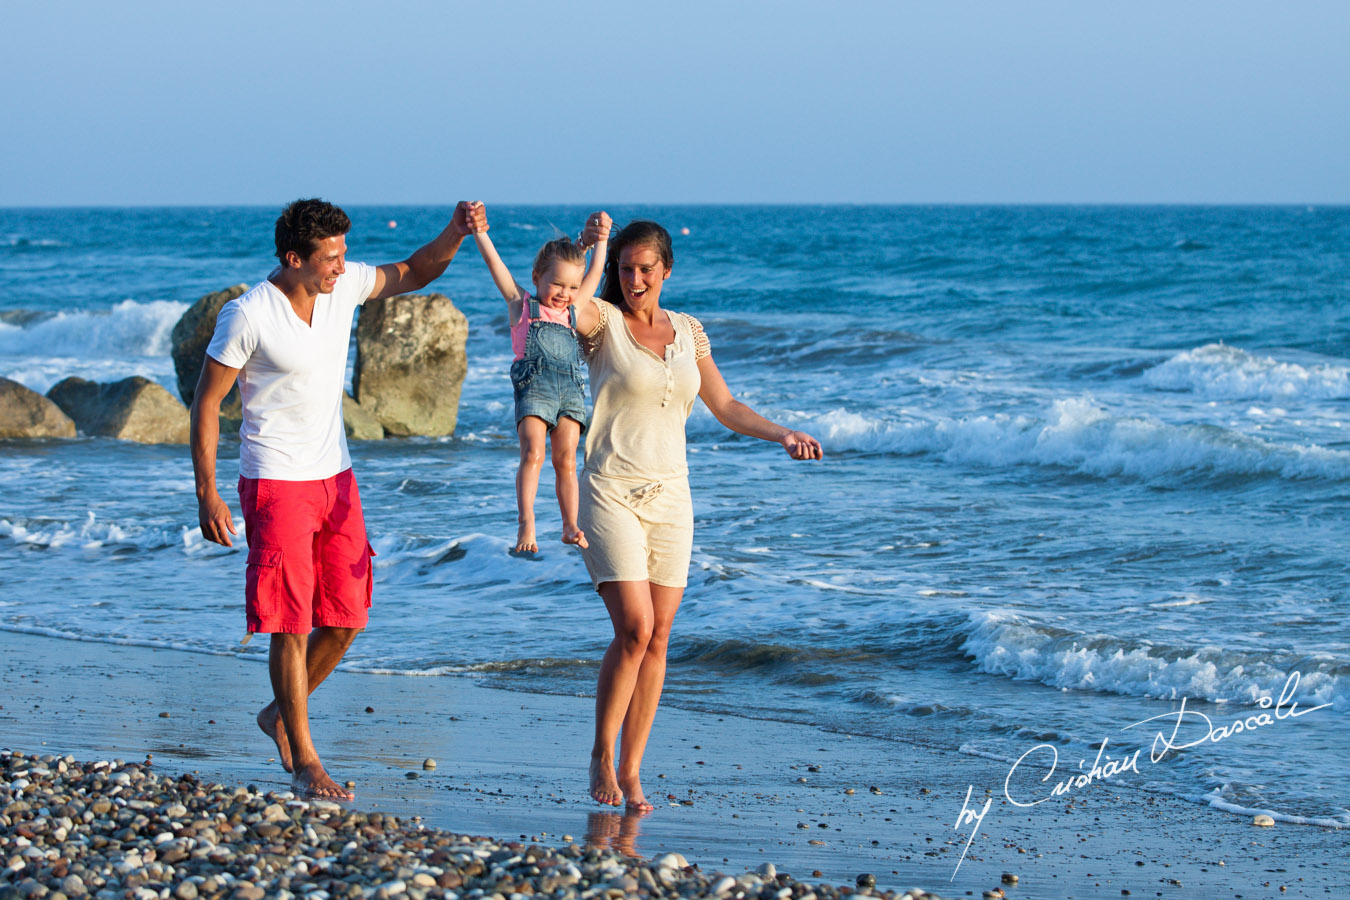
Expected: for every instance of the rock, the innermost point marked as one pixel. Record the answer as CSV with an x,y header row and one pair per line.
x,y
428,763
191,336
767,871
867,879
28,414
672,861
1264,821
133,409
359,423
410,363
723,885
73,886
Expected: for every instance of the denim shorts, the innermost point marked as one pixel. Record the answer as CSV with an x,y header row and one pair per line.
x,y
548,393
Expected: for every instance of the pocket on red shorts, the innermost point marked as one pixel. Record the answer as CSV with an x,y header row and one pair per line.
x,y
370,573
263,586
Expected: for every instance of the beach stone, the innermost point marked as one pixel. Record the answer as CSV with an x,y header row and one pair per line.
x,y
767,871
410,363
73,886
191,336
28,414
185,890
723,885
1264,821
133,409
358,421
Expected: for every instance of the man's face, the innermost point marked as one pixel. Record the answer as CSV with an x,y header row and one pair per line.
x,y
322,267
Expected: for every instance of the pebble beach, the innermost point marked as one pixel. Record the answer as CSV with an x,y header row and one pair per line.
x,y
116,829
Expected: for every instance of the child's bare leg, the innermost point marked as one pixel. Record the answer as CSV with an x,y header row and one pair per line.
x,y
564,440
533,433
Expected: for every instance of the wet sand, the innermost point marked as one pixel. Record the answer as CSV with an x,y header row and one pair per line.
x,y
736,793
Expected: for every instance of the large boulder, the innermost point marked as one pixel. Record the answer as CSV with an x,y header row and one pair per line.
x,y
191,337
133,409
28,414
358,422
410,363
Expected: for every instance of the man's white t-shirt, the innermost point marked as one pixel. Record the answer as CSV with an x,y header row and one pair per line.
x,y
291,376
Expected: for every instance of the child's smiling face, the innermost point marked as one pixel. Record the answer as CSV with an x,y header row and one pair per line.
x,y
558,285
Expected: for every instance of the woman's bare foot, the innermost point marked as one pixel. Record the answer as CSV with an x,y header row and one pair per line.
x,y
269,720
574,535
637,801
604,786
525,539
313,781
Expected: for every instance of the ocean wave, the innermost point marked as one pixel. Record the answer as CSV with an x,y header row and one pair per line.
x,y
128,329
1220,372
1080,436
93,533
1017,647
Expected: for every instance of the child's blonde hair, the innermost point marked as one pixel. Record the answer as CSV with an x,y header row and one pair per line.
x,y
558,250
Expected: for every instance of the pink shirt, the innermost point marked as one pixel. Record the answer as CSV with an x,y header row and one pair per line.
x,y
546,314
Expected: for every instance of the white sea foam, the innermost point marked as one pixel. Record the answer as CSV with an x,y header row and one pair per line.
x,y
1003,643
128,329
1078,434
93,533
1220,372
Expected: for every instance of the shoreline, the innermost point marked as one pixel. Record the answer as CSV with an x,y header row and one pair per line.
x,y
736,793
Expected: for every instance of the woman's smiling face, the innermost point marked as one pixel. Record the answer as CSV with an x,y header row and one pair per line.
x,y
641,274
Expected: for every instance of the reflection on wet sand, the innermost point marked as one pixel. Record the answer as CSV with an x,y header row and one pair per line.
x,y
616,831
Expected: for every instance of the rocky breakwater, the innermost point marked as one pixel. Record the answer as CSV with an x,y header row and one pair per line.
x,y
133,409
27,414
104,830
410,363
191,336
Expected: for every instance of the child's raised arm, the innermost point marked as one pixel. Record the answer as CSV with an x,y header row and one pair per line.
x,y
596,233
501,275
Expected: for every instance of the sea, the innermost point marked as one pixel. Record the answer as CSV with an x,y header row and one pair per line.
x,y
1085,496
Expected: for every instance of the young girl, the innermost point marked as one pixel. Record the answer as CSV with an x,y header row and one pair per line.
x,y
547,372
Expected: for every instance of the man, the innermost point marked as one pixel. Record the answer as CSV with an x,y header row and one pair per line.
x,y
308,576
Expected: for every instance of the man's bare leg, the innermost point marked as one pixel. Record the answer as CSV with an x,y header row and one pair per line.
x,y
326,648
288,666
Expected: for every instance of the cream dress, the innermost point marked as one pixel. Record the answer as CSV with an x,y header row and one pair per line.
x,y
635,506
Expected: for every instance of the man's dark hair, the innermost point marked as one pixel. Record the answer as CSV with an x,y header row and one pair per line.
x,y
304,223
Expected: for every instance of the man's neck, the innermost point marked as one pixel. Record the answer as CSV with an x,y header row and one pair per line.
x,y
302,299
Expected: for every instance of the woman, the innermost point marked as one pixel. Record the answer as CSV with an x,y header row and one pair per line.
x,y
646,367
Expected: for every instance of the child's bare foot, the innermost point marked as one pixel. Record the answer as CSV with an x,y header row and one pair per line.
x,y
269,720
525,539
604,786
637,801
574,535
313,781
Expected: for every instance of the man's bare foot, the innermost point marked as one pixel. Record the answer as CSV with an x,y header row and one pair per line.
x,y
525,539
269,720
604,786
637,801
313,781
574,535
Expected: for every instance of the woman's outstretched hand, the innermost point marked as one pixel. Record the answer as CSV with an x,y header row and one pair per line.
x,y
800,445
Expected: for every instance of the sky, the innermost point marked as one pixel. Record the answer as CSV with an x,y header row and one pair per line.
x,y
254,102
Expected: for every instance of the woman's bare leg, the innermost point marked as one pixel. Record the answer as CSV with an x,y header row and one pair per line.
x,y
637,722
533,433
564,442
630,611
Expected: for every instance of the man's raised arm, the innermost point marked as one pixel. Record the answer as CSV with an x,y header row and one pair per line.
x,y
429,261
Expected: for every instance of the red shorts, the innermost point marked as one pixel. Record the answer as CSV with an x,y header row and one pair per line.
x,y
308,557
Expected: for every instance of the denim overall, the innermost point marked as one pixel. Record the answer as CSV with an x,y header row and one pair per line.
x,y
548,379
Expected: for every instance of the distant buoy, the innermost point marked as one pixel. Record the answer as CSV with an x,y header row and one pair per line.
x,y
684,231
393,224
